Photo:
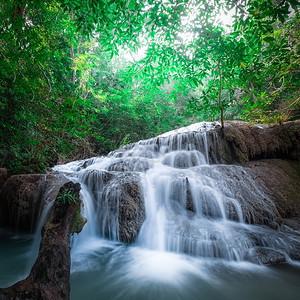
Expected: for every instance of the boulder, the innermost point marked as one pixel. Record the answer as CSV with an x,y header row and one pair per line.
x,y
118,201
22,199
50,276
131,209
122,210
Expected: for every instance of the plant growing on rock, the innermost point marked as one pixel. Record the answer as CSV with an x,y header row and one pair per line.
x,y
67,196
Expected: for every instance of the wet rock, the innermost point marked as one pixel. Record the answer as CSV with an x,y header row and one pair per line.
x,y
240,142
130,164
294,251
281,180
118,201
3,177
131,210
184,159
292,223
265,256
209,206
85,163
96,179
119,152
189,199
231,210
22,199
50,276
126,206
240,189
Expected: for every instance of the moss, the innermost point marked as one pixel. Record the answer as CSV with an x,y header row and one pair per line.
x,y
79,221
49,225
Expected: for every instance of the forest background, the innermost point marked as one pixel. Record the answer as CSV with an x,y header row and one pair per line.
x,y
81,78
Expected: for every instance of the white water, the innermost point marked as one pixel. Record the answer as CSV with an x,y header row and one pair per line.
x,y
194,242
191,207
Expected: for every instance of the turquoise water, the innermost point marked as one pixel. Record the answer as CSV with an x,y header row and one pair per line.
x,y
115,271
106,270
15,257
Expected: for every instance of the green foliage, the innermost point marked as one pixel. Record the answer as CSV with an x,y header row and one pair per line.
x,y
65,95
67,196
258,53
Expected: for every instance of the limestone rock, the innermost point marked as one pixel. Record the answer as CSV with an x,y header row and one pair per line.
x,y
131,209
130,165
281,179
50,276
22,199
240,142
122,206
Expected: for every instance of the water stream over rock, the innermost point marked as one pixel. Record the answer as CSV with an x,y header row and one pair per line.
x,y
166,223
191,222
164,195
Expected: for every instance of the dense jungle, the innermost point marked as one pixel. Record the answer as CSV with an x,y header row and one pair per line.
x,y
82,78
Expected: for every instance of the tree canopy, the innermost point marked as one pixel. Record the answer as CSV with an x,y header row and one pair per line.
x,y
67,89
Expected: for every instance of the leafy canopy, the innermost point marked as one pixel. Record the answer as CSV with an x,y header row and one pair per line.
x,y
247,64
64,93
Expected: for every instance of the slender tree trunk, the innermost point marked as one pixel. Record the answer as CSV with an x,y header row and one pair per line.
x,y
73,65
73,79
220,93
251,88
20,10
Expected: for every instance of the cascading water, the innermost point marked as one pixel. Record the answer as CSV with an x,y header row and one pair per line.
x,y
185,223
191,207
163,194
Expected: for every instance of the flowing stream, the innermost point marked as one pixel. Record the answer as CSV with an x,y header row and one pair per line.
x,y
187,218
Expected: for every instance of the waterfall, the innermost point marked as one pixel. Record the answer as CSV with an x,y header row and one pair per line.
x,y
167,220
164,195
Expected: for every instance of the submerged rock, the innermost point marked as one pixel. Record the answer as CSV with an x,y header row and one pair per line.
x,y
50,276
265,256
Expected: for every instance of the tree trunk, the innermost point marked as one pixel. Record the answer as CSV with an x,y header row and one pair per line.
x,y
73,79
20,10
220,93
251,88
